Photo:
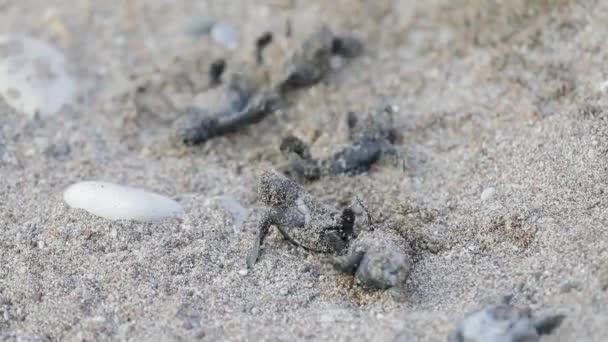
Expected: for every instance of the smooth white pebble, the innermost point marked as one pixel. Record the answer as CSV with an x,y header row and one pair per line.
x,y
118,202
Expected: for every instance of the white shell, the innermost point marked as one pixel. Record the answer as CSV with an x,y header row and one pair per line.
x,y
33,76
117,202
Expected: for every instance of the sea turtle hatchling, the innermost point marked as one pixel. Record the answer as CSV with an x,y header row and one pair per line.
x,y
371,138
504,322
376,258
300,218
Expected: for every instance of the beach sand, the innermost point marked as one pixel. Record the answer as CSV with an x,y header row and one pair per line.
x,y
504,143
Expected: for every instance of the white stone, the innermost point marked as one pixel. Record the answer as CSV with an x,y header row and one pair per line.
x,y
117,202
488,193
243,272
225,35
33,76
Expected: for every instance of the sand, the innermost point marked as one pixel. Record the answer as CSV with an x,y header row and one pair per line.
x,y
491,95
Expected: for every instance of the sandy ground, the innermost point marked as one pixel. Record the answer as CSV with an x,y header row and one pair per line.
x,y
491,95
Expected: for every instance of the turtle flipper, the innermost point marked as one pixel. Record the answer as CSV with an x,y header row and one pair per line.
x,y
263,228
349,262
546,325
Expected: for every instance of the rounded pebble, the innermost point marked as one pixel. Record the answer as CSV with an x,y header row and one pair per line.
x,y
117,202
33,76
243,272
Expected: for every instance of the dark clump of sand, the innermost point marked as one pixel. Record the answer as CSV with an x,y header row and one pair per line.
x,y
503,99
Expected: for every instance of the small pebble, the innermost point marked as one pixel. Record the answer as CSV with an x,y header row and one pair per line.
x,y
225,35
284,291
199,25
41,244
117,202
255,311
488,193
243,272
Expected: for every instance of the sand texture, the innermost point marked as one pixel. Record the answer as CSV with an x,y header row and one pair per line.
x,y
502,186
